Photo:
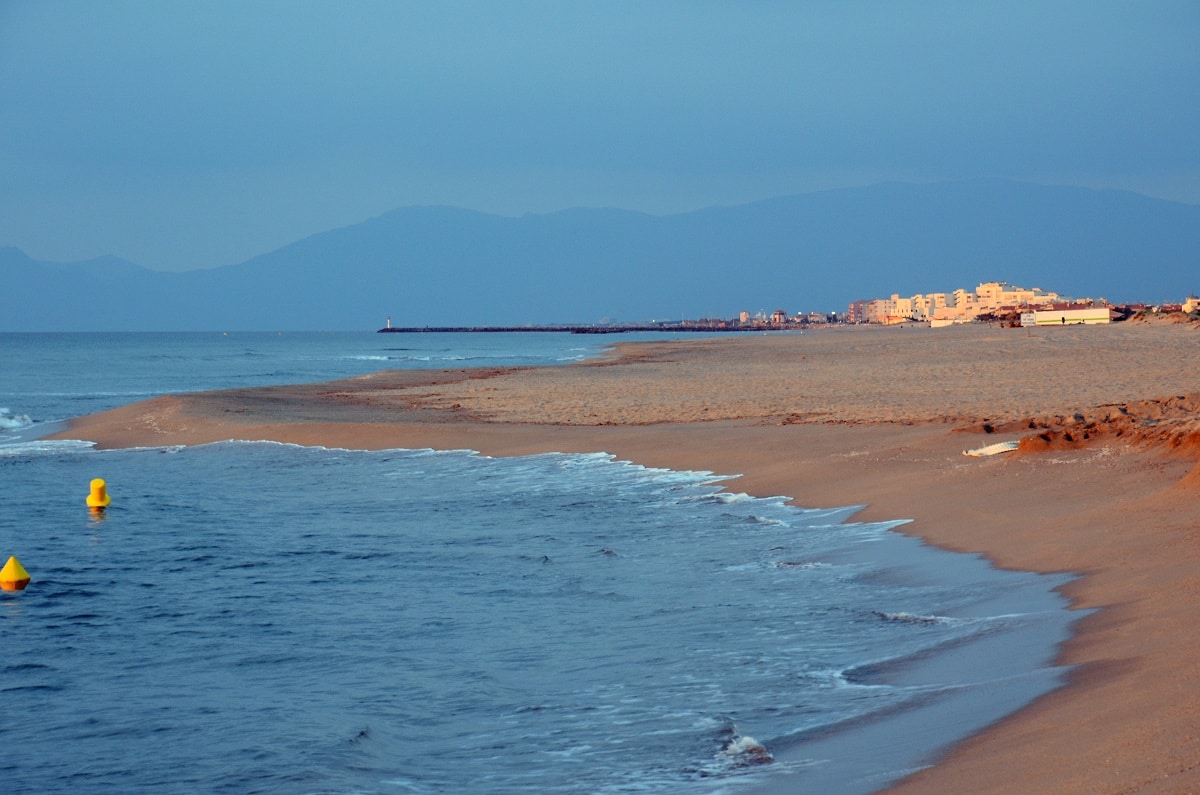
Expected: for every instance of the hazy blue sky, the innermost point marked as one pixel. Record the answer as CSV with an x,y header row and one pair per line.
x,y
196,134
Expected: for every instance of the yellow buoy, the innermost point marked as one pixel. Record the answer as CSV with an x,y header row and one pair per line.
x,y
98,500
13,576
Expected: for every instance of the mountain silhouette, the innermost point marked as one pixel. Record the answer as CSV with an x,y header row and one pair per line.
x,y
429,266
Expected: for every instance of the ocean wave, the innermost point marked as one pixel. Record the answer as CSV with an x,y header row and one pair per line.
x,y
743,750
11,422
721,498
735,750
764,520
910,618
601,460
802,564
45,447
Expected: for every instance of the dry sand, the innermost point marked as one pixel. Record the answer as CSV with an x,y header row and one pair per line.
x,y
1105,485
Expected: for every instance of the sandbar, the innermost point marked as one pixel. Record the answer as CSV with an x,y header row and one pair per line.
x,y
1104,484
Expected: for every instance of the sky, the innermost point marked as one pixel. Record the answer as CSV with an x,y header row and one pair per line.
x,y
200,134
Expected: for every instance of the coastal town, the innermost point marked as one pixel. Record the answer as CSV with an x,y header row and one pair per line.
x,y
995,302
989,302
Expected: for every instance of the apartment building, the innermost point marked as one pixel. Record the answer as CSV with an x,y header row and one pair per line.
x,y
961,305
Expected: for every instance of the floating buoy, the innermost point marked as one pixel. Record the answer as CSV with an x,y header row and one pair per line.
x,y
13,576
98,500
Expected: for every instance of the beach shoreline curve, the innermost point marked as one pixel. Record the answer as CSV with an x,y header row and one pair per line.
x,y
1104,484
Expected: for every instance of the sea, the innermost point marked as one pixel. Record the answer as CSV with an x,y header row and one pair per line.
x,y
254,617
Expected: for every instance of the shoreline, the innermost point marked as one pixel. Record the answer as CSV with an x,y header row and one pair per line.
x,y
1105,485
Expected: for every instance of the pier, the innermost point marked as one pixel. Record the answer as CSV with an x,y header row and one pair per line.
x,y
568,328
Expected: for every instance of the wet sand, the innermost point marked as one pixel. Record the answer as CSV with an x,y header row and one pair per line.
x,y
1105,485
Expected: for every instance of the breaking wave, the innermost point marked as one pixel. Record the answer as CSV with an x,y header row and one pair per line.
x,y
11,422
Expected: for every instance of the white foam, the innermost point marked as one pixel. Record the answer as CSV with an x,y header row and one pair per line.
x,y
11,422
721,497
45,447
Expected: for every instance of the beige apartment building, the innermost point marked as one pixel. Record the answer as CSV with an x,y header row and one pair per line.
x,y
959,305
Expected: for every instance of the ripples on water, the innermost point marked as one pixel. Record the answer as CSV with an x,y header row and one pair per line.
x,y
266,618
254,617
51,377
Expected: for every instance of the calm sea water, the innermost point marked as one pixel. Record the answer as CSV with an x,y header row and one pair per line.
x,y
257,617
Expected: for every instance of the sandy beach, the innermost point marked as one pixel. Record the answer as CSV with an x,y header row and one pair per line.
x,y
1105,484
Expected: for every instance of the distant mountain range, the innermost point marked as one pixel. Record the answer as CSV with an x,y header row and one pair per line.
x,y
428,266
